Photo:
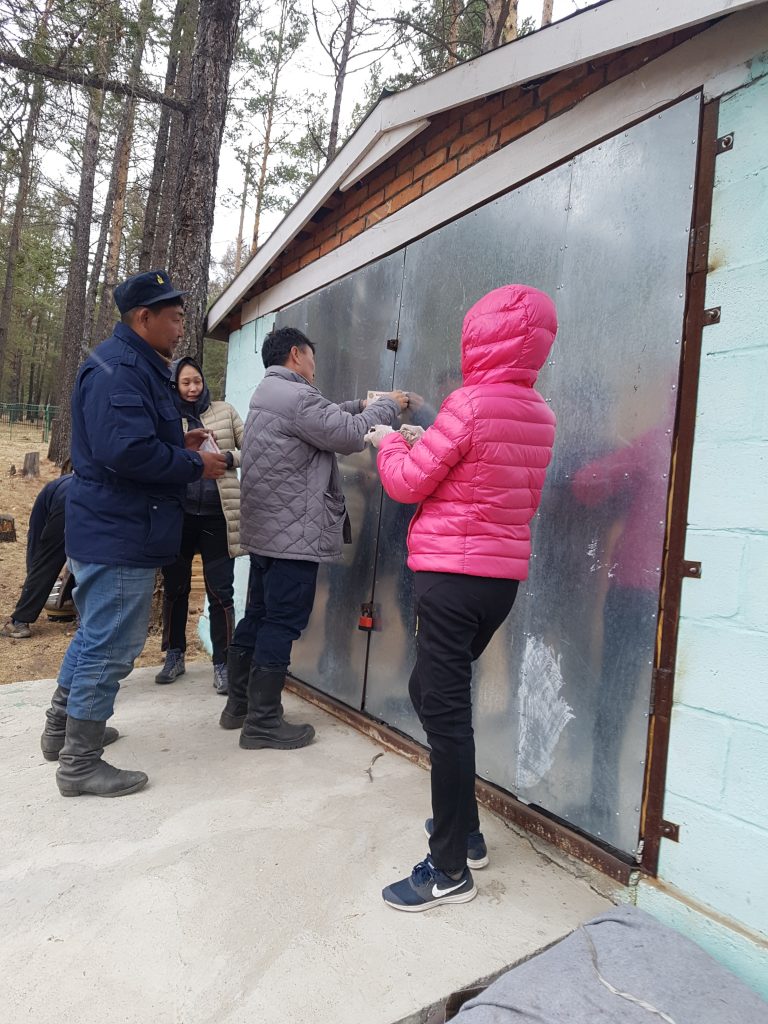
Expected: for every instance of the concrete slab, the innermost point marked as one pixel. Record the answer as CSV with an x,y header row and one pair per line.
x,y
241,885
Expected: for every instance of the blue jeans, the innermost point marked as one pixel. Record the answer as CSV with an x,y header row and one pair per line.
x,y
281,592
113,602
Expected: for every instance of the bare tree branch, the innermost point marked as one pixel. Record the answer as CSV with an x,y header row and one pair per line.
x,y
89,80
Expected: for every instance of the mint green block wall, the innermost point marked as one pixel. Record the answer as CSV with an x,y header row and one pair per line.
x,y
717,779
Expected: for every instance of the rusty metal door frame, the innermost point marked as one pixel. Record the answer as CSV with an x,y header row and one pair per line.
x,y
654,827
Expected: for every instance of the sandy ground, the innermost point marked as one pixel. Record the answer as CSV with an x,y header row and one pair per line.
x,y
39,657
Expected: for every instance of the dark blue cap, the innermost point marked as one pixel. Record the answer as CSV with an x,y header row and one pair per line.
x,y
145,290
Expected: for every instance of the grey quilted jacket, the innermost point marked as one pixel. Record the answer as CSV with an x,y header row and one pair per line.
x,y
292,505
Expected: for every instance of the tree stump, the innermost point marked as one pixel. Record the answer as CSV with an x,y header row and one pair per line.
x,y
31,465
7,528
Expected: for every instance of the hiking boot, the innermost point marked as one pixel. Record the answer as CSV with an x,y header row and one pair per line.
x,y
238,667
220,680
264,724
427,887
15,630
81,770
52,739
173,667
477,851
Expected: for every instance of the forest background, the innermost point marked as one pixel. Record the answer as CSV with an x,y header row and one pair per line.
x,y
138,135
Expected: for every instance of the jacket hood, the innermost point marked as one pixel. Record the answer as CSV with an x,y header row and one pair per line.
x,y
507,335
198,407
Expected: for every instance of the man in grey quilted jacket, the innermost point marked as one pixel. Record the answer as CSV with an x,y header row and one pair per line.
x,y
292,518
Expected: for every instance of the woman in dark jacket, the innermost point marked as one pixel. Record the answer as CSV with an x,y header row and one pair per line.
x,y
211,527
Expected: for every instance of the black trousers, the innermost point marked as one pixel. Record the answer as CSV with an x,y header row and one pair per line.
x,y
47,562
208,535
457,616
281,593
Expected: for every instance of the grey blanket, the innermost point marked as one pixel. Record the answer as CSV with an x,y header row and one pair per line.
x,y
673,979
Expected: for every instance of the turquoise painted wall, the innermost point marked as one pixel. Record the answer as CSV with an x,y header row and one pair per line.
x,y
244,371
717,781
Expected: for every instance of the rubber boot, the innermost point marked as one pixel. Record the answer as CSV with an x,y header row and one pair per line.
x,y
81,770
264,725
238,667
52,739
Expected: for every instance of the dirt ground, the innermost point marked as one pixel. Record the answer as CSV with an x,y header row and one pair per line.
x,y
39,657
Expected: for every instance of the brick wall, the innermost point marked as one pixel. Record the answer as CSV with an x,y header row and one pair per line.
x,y
455,140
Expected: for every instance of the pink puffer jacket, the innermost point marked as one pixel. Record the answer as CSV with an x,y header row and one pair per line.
x,y
479,469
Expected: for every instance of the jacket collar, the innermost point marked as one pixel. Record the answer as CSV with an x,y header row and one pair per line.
x,y
286,374
141,348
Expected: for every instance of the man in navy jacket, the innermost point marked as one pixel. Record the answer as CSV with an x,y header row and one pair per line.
x,y
124,515
45,557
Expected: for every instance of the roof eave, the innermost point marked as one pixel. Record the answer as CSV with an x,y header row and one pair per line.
x,y
612,26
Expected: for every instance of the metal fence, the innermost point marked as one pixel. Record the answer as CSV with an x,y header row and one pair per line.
x,y
19,419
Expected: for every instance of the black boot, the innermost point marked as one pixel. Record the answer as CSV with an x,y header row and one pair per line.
x,y
52,739
81,769
264,724
238,667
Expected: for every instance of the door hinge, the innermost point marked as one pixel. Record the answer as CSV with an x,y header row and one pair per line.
x,y
711,316
698,249
392,344
691,570
662,829
725,143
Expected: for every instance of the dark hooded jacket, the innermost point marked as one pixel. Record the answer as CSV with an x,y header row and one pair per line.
x,y
202,497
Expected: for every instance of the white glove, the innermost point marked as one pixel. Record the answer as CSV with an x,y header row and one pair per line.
x,y
411,433
376,434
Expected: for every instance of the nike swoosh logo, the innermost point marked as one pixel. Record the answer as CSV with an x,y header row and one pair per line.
x,y
444,892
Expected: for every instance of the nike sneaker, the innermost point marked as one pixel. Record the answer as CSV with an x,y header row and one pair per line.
x,y
427,887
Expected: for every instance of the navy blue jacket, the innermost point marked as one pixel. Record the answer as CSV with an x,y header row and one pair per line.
x,y
50,502
125,505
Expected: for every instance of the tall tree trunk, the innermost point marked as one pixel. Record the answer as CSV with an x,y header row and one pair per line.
x,y
161,144
191,251
119,180
341,74
25,176
243,202
89,332
4,193
500,23
267,150
177,129
74,314
546,12
510,22
20,206
452,35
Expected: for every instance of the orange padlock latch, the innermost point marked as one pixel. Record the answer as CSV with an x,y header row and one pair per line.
x,y
365,622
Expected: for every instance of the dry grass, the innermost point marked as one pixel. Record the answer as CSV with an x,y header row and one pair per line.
x,y
40,656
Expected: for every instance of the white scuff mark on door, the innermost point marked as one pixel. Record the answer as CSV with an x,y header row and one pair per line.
x,y
543,712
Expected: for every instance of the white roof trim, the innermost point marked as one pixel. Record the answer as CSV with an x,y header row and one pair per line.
x,y
593,33
388,143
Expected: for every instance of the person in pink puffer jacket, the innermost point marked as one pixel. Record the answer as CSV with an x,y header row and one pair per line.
x,y
477,474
